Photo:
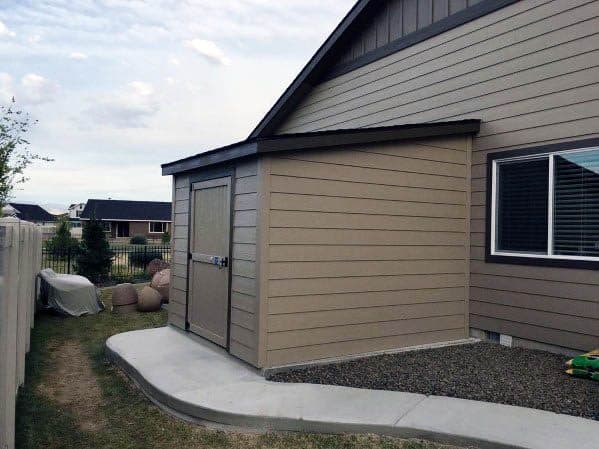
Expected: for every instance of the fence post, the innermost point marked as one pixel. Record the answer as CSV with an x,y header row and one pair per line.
x,y
145,257
69,260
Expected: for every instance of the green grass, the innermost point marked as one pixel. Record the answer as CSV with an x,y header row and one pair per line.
x,y
121,415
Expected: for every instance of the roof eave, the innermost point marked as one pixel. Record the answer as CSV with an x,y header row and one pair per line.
x,y
231,152
322,139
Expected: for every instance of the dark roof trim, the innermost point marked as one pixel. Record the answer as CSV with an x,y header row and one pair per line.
x,y
321,139
453,21
317,66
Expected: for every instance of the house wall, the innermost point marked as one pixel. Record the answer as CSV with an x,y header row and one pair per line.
x,y
530,71
397,18
366,249
139,228
243,332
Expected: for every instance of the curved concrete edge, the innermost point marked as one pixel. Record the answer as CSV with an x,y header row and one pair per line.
x,y
426,417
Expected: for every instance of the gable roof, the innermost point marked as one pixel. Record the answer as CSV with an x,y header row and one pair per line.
x,y
332,50
321,140
127,210
32,212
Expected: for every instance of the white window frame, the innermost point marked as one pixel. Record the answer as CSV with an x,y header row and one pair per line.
x,y
164,224
550,204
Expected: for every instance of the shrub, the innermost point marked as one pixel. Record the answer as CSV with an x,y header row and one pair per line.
x,y
142,257
139,240
62,243
166,238
95,257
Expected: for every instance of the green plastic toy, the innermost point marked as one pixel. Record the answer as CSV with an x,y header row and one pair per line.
x,y
585,365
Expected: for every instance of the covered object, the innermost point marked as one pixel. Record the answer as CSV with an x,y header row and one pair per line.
x,y
68,294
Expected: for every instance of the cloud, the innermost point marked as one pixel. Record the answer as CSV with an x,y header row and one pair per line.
x,y
35,89
131,107
35,39
78,56
208,50
6,88
5,32
142,89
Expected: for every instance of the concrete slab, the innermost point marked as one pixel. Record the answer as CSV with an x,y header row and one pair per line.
x,y
196,379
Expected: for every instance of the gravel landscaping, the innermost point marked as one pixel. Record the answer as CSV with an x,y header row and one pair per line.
x,y
482,371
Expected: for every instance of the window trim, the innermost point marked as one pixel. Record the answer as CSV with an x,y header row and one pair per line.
x,y
164,223
507,257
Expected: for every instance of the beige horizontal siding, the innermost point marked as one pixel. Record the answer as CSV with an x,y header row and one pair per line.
x,y
530,72
243,339
366,248
244,300
180,220
277,357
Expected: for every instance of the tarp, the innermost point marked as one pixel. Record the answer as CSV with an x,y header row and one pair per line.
x,y
68,294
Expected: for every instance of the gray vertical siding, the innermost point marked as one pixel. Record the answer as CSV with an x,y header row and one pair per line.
x,y
243,340
530,71
397,18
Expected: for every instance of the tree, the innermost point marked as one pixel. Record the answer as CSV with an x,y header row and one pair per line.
x,y
62,243
95,257
166,238
15,156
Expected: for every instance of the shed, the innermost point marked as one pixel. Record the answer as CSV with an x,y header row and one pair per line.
x,y
354,229
324,244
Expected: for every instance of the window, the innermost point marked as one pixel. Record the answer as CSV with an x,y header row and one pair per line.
x,y
546,205
122,229
158,227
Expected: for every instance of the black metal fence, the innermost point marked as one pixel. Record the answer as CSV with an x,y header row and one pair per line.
x,y
128,261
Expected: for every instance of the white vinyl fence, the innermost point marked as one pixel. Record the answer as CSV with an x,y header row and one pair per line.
x,y
20,261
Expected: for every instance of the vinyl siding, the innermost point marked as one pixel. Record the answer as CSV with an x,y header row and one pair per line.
x,y
244,297
530,71
397,18
243,329
179,239
367,249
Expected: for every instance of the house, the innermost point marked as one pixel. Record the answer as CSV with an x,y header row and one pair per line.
x,y
429,175
75,210
32,213
124,219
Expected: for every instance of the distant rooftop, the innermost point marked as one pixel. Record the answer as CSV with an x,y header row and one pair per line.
x,y
32,212
127,210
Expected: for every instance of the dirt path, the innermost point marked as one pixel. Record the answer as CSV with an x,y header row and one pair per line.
x,y
72,383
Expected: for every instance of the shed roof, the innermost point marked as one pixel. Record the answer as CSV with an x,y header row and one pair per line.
x,y
320,139
32,212
127,210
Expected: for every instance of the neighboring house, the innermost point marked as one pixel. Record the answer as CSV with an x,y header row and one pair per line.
x,y
75,210
124,219
74,213
429,175
33,213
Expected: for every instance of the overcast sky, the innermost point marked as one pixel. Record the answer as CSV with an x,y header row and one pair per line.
x,y
120,86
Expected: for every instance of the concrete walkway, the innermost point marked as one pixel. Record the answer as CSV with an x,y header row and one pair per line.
x,y
198,380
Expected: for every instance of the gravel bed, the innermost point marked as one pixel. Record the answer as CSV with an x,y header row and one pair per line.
x,y
481,371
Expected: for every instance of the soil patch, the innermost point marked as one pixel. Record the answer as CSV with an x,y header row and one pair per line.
x,y
71,382
482,371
